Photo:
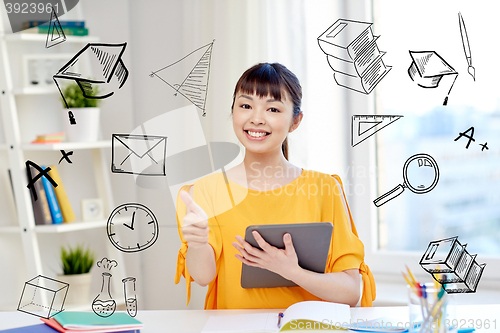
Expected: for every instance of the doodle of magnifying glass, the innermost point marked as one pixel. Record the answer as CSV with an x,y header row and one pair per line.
x,y
423,171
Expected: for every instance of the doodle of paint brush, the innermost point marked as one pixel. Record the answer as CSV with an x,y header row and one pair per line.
x,y
465,43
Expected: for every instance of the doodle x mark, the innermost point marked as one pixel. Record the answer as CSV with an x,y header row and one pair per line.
x,y
484,145
41,172
471,137
65,156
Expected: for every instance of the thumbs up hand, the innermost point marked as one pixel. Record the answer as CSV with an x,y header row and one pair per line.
x,y
195,223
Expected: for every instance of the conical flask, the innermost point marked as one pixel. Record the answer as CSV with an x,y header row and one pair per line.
x,y
104,305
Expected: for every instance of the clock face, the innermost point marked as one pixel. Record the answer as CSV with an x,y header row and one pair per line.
x,y
132,227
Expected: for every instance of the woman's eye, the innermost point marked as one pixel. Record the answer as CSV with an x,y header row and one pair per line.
x,y
245,106
274,110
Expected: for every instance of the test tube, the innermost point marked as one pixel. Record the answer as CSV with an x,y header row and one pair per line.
x,y
130,297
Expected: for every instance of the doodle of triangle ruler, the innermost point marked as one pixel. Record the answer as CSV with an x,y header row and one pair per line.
x,y
55,35
194,85
364,126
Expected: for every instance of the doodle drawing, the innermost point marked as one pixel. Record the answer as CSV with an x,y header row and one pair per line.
x,y
41,172
364,126
422,169
194,85
450,264
139,154
352,52
140,231
55,35
466,45
43,297
104,305
130,296
65,156
112,73
428,68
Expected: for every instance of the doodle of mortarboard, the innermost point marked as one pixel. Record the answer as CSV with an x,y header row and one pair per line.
x,y
106,72
428,68
451,265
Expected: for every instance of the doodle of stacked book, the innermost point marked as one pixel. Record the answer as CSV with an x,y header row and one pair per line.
x,y
352,52
452,266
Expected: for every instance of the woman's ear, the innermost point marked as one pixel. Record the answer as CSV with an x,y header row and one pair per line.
x,y
296,121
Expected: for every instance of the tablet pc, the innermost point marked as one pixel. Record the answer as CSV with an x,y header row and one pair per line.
x,y
310,240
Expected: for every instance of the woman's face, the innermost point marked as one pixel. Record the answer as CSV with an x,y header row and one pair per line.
x,y
262,123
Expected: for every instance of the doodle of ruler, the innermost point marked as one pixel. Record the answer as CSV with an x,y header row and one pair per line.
x,y
189,76
188,156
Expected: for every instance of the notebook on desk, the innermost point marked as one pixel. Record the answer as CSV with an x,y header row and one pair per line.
x,y
310,240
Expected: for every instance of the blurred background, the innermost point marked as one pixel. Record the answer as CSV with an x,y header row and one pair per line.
x,y
465,202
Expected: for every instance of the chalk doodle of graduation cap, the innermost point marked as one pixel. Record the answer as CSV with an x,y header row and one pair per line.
x,y
105,73
428,68
188,157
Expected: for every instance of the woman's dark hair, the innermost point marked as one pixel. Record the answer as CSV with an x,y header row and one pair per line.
x,y
267,79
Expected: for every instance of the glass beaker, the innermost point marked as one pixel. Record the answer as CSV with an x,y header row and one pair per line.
x,y
104,305
130,297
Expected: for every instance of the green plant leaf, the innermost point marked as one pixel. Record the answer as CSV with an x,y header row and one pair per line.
x,y
77,260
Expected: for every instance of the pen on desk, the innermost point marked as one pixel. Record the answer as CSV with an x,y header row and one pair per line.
x,y
280,315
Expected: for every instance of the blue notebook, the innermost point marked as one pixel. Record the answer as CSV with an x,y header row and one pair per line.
x,y
39,328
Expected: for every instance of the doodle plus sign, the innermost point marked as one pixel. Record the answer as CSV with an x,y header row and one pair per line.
x,y
65,156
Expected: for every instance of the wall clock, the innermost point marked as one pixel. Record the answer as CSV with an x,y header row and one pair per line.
x,y
136,226
92,209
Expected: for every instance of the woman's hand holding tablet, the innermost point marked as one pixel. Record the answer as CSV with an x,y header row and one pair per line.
x,y
280,261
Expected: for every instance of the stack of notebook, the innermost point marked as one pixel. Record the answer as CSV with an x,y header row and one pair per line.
x,y
353,54
84,322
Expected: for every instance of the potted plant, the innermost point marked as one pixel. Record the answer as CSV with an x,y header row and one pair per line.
x,y
86,112
76,265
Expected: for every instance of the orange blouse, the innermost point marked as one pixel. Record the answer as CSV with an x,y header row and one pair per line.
x,y
231,208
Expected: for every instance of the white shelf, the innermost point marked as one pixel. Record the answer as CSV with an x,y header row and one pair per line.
x,y
45,90
10,229
74,226
67,145
43,38
4,146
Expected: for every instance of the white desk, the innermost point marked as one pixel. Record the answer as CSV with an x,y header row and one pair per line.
x,y
181,321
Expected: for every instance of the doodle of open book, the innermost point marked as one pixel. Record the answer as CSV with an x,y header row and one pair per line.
x,y
110,75
194,85
139,154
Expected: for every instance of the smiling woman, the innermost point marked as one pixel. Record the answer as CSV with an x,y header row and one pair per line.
x,y
266,107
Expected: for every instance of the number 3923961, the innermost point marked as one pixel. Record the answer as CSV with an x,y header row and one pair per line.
x,y
30,8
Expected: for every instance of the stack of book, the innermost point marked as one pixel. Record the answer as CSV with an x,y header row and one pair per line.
x,y
70,28
49,138
352,52
89,322
52,205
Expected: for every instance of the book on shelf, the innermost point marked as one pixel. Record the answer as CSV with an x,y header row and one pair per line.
x,y
62,198
41,209
70,321
64,24
50,138
55,211
68,31
353,54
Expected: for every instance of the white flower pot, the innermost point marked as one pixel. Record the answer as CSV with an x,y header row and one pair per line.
x,y
79,288
87,125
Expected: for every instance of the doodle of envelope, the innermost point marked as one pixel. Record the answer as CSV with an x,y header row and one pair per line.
x,y
139,154
106,72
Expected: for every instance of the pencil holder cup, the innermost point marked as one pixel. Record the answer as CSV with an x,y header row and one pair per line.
x,y
430,309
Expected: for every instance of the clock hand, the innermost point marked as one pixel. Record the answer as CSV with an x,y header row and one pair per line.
x,y
131,227
133,219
